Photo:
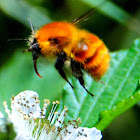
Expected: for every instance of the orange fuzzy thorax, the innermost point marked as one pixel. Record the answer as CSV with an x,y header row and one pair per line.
x,y
80,45
65,33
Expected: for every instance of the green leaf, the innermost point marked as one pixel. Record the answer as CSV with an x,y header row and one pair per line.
x,y
120,81
108,115
22,11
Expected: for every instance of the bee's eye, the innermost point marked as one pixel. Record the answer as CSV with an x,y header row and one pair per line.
x,y
53,41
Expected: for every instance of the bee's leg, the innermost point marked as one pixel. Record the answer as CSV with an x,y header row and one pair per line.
x,y
76,71
59,66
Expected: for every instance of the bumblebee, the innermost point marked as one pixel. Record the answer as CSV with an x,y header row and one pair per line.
x,y
64,41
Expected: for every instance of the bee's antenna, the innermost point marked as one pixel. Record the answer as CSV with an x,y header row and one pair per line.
x,y
13,39
31,25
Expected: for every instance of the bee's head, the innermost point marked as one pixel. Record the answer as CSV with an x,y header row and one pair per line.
x,y
34,48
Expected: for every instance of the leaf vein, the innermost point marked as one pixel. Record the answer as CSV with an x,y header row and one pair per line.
x,y
124,81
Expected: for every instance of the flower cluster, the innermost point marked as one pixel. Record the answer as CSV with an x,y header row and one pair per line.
x,y
30,122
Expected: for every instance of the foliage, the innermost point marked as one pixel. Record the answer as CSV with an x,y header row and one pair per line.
x,y
121,82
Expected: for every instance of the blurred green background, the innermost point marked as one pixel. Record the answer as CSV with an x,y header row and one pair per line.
x,y
115,22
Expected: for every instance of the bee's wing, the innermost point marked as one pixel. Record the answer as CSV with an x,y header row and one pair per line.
x,y
83,17
87,14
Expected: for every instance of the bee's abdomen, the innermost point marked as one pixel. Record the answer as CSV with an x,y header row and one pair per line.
x,y
98,63
92,53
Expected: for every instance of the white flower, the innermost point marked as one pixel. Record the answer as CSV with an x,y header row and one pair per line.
x,y
30,122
